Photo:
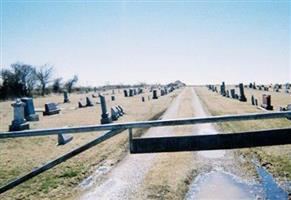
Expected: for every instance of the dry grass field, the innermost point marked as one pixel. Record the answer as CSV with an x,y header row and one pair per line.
x,y
19,156
277,159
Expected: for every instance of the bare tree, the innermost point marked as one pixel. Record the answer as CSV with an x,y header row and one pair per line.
x,y
70,83
24,78
44,75
57,85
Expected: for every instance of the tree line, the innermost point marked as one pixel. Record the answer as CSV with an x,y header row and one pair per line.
x,y
21,80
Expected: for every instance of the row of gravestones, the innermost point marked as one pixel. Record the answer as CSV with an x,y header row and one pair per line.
x,y
132,92
266,99
116,112
276,87
24,111
230,93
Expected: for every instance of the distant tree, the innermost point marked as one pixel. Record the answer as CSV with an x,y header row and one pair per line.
x,y
44,75
22,78
57,85
70,83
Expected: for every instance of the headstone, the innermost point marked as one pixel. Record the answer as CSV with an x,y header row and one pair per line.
x,y
19,123
64,138
242,96
155,94
142,99
222,89
113,92
51,109
130,92
134,91
66,97
29,112
125,93
232,93
267,102
119,111
81,104
112,98
89,102
253,100
114,114
105,118
256,102
227,94
254,86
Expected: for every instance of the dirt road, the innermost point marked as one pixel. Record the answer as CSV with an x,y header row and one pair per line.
x,y
215,178
126,177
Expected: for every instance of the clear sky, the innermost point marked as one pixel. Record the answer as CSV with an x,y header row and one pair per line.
x,y
130,42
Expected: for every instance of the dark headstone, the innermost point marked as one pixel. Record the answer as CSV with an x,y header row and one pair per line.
x,y
232,93
66,97
227,93
267,102
155,94
81,104
29,112
121,109
105,118
89,102
253,100
130,92
142,99
51,109
222,89
114,114
112,98
256,102
125,93
242,96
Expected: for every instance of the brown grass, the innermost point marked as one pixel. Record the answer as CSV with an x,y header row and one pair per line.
x,y
276,158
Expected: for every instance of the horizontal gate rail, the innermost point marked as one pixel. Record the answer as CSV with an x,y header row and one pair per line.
x,y
145,124
59,160
211,142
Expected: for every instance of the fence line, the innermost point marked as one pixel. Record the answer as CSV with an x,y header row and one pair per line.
x,y
145,124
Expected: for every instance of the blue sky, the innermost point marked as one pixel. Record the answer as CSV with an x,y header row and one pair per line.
x,y
129,42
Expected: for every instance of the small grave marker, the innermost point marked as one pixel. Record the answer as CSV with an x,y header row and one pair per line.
x,y
64,138
267,102
51,109
89,102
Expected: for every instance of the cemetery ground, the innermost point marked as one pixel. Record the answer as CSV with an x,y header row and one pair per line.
x,y
19,156
172,172
276,159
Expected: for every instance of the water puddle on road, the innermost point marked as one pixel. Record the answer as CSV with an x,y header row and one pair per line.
x,y
219,184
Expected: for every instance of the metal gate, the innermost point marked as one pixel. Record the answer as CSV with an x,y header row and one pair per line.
x,y
162,144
